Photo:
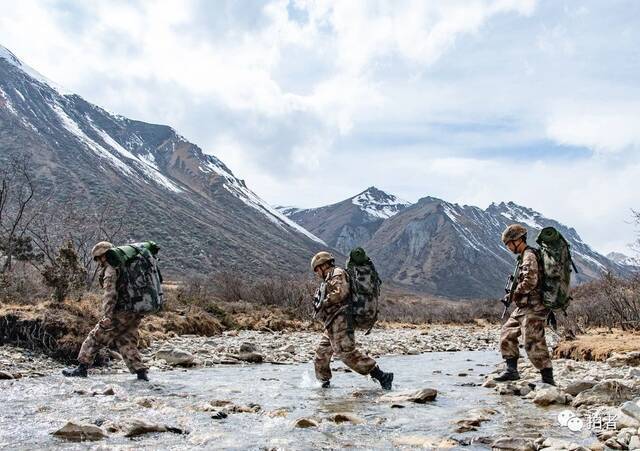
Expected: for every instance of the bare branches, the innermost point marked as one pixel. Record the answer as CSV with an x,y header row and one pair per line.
x,y
79,225
17,192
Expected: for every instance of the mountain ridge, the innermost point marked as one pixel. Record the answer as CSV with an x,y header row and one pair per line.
x,y
190,201
448,249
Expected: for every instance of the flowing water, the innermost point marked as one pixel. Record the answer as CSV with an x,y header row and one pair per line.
x,y
33,408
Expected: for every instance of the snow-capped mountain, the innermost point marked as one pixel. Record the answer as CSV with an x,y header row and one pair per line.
x,y
349,223
189,201
378,204
623,259
444,248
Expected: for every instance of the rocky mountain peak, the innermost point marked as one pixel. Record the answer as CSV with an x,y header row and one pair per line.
x,y
623,259
378,203
206,217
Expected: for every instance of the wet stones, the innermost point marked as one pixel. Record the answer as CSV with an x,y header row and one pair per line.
x,y
219,415
556,443
489,383
251,357
425,442
609,392
278,413
419,396
513,444
551,395
632,408
346,417
578,387
305,423
80,432
175,356
135,427
474,420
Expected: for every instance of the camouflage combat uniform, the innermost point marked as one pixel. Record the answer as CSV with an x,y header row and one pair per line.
x,y
529,317
338,337
123,331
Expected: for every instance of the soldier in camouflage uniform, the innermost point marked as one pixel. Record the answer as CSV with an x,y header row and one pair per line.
x,y
116,328
338,337
530,314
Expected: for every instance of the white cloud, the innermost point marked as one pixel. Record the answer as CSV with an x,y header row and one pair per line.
x,y
446,98
606,127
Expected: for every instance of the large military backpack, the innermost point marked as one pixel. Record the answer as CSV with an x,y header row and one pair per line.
x,y
365,289
139,283
555,261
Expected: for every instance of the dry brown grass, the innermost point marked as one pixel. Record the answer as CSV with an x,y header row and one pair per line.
x,y
598,344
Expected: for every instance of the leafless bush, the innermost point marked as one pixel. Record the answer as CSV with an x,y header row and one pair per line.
x,y
432,311
608,302
288,293
17,195
22,285
229,286
65,274
83,227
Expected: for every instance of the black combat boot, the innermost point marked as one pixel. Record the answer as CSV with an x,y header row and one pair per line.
x,y
511,373
547,376
325,384
80,371
142,375
385,379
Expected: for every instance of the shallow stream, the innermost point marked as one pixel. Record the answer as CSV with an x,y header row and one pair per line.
x,y
33,408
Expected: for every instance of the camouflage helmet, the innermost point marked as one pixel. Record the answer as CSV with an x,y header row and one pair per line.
x,y
320,258
100,249
513,232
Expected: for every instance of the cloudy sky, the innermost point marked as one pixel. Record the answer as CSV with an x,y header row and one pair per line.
x,y
472,101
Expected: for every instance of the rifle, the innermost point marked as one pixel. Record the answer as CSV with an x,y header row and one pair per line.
x,y
319,298
509,288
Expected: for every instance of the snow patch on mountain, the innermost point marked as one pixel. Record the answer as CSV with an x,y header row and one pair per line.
x,y
450,212
7,102
623,259
72,127
240,190
521,215
150,170
12,59
379,204
288,210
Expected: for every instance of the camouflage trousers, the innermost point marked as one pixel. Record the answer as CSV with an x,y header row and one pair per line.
x,y
123,335
529,322
339,339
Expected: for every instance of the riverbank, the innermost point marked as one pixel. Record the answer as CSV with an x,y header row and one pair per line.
x,y
599,345
236,347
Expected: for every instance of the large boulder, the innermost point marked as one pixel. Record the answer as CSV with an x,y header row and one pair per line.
x,y
578,387
175,356
80,432
135,426
305,423
513,444
609,392
632,408
548,396
419,396
248,346
556,443
251,357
